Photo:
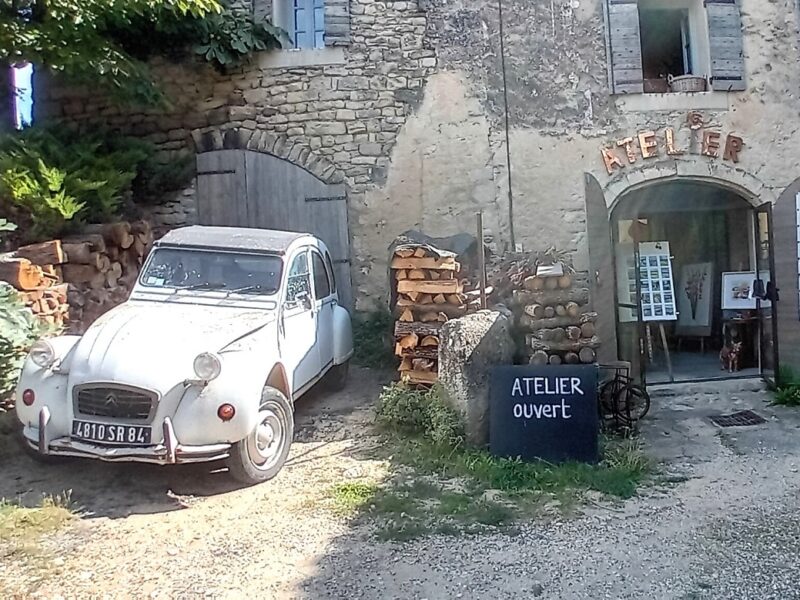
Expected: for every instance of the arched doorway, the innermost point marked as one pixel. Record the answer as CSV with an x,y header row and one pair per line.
x,y
694,273
246,188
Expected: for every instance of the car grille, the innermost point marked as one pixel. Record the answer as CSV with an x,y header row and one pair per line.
x,y
115,402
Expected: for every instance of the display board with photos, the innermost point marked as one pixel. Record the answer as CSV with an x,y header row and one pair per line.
x,y
657,298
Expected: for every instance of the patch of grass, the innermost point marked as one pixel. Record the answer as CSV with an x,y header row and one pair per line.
x,y
372,339
456,490
350,497
21,527
624,466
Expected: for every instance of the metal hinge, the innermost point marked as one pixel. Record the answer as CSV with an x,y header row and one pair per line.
x,y
325,198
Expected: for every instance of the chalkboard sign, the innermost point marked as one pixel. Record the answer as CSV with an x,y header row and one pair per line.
x,y
547,412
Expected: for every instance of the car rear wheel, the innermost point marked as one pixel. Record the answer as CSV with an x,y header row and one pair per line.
x,y
261,455
337,376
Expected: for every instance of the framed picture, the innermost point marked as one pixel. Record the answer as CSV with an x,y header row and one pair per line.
x,y
737,290
694,299
656,285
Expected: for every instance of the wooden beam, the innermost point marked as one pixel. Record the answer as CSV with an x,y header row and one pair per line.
x,y
447,286
438,264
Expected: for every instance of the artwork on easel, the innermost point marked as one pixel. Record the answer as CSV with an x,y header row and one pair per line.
x,y
694,300
655,282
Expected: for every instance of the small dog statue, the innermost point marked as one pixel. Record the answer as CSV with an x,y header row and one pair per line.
x,y
729,357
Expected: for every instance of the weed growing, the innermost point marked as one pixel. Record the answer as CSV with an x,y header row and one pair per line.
x,y
372,341
422,432
788,393
21,527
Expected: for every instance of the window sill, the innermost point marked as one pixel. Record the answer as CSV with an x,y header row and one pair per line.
x,y
281,59
673,101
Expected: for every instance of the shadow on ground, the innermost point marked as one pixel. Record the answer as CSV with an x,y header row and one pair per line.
x,y
118,490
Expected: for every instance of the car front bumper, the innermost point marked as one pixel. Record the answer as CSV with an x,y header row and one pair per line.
x,y
169,452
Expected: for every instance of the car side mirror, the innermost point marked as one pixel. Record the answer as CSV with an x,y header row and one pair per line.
x,y
304,299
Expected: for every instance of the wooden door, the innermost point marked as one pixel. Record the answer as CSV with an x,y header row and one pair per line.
x,y
251,189
786,236
766,294
601,270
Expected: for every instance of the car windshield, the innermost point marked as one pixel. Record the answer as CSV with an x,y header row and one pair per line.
x,y
206,270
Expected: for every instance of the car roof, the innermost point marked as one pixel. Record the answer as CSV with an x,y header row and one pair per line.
x,y
271,241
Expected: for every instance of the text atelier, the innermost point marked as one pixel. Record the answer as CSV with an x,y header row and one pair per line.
x,y
649,147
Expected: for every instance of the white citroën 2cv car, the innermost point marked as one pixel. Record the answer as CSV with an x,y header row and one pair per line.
x,y
224,330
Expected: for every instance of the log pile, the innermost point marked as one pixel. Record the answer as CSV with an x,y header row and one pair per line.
x,y
68,283
551,312
429,289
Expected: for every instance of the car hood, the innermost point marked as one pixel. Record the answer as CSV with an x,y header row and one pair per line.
x,y
153,344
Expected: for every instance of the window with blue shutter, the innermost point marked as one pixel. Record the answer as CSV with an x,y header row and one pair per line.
x,y
308,23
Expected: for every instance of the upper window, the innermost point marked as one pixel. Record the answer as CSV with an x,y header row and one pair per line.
x,y
660,46
308,24
322,284
303,21
666,48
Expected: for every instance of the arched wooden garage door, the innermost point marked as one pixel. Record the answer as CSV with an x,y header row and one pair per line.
x,y
249,189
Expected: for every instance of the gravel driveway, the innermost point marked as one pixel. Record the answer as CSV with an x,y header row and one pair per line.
x,y
724,523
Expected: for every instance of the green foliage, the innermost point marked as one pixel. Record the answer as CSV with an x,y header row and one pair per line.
x,y
372,339
6,225
106,41
56,177
18,330
71,37
228,37
420,412
788,393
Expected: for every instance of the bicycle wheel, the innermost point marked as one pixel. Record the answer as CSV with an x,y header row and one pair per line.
x,y
606,398
632,403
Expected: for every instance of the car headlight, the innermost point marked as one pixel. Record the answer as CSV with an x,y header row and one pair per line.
x,y
207,366
42,354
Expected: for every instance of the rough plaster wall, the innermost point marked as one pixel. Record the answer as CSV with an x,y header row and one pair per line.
x,y
425,150
442,174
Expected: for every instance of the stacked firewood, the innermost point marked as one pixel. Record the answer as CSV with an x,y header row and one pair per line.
x,y
430,290
70,282
551,312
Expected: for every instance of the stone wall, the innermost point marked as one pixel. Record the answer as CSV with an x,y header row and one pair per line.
x,y
410,115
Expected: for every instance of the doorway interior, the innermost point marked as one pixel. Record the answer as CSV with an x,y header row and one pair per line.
x,y
692,264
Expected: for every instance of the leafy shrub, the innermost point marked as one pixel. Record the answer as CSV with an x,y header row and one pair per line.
x,y
223,39
788,392
420,412
18,330
228,37
372,339
56,178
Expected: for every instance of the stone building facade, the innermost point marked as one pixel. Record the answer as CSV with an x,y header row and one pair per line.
x,y
417,109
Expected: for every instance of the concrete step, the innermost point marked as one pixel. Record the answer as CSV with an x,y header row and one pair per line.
x,y
718,387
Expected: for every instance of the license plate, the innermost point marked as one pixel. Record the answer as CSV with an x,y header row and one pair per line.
x,y
107,433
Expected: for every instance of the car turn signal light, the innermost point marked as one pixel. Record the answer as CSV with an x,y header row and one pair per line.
x,y
226,412
28,397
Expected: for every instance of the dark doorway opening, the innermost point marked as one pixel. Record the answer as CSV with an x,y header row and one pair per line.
x,y
688,262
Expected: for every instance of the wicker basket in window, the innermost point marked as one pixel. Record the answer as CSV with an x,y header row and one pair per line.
x,y
687,83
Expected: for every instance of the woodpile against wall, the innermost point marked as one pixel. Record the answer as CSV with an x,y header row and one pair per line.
x,y
70,282
549,301
430,289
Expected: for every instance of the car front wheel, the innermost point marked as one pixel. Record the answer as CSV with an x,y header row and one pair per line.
x,y
261,455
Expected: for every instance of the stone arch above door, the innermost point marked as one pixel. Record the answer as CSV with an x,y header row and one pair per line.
x,y
700,169
240,138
